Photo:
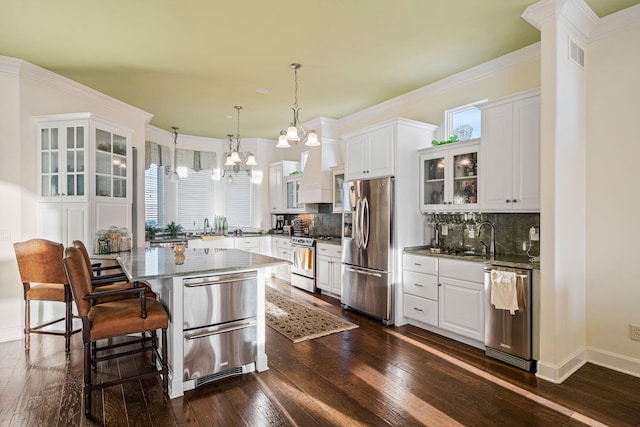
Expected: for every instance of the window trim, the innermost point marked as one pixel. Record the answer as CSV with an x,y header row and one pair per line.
x,y
448,116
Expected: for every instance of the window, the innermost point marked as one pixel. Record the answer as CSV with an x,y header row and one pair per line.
x,y
464,122
195,199
239,200
154,195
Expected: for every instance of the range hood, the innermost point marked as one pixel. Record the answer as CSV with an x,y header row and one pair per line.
x,y
316,185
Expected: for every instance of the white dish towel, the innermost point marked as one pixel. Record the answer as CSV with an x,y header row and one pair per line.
x,y
504,292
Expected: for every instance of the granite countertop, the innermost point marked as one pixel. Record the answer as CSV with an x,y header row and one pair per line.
x,y
515,261
153,263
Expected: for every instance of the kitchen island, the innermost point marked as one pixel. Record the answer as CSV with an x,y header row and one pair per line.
x,y
216,304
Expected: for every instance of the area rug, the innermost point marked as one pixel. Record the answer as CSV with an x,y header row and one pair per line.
x,y
300,321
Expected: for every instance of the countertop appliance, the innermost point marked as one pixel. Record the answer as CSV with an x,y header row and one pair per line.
x,y
509,334
220,326
367,250
303,269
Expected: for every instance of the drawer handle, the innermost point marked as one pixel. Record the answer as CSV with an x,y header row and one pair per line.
x,y
417,309
416,263
417,284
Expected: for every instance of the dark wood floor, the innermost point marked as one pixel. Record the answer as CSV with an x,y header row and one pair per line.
x,y
369,376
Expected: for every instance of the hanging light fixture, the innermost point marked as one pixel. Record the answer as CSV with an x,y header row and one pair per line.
x,y
174,175
296,132
236,159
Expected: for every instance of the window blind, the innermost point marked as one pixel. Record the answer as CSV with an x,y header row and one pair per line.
x,y
195,200
239,200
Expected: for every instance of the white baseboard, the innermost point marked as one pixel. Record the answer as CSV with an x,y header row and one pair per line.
x,y
559,372
11,334
614,361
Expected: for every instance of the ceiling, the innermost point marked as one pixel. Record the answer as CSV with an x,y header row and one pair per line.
x,y
189,63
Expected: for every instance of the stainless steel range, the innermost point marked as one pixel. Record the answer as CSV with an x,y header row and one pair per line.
x,y
303,270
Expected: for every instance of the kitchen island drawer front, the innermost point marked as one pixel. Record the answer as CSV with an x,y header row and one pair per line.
x,y
420,264
219,299
469,271
208,352
420,285
420,309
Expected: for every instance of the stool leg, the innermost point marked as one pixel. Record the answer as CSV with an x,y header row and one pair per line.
x,y
154,347
27,325
165,370
68,321
86,390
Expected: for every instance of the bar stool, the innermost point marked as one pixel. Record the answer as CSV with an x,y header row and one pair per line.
x,y
43,279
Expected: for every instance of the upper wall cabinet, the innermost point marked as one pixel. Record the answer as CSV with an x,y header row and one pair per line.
x,y
510,161
370,154
449,177
278,171
374,151
84,177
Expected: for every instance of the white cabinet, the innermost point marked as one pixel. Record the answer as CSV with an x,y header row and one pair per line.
x,y
282,248
370,154
84,179
337,173
445,293
291,189
329,268
510,161
461,297
216,242
250,244
420,288
277,173
449,177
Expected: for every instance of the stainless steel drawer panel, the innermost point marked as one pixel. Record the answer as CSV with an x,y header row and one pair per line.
x,y
209,303
420,263
420,309
420,285
210,352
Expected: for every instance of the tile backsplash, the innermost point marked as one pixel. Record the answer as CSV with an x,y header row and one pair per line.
x,y
511,231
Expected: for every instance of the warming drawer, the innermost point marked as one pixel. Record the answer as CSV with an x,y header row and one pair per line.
x,y
219,351
219,299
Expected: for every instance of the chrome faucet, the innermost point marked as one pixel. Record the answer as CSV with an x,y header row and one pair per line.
x,y
491,247
206,225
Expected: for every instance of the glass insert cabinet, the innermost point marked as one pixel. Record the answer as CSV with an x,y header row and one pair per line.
x,y
84,181
449,177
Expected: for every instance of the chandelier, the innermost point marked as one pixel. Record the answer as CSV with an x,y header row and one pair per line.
x,y
236,159
296,132
174,175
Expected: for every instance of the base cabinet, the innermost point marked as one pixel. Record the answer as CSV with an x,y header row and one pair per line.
x,y
447,294
329,269
281,248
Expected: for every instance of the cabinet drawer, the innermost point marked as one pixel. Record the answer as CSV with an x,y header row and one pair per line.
x,y
333,251
420,285
469,271
420,309
247,243
420,263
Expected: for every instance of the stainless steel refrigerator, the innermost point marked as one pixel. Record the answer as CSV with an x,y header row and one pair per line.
x,y
367,250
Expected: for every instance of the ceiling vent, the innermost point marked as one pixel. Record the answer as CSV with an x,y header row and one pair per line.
x,y
576,54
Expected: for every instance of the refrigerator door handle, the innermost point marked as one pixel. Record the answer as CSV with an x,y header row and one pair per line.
x,y
366,273
365,229
357,231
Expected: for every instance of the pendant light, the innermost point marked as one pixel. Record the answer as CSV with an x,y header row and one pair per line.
x,y
296,131
174,175
236,159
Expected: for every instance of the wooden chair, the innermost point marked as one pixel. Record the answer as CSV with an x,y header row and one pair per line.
x,y
116,275
43,279
109,282
115,319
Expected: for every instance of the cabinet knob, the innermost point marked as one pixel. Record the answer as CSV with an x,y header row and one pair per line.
x,y
515,200
507,201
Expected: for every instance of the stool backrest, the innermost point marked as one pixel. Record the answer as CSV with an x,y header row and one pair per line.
x,y
79,279
40,261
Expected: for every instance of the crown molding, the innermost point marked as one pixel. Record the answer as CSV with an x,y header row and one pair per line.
x,y
618,22
69,87
480,72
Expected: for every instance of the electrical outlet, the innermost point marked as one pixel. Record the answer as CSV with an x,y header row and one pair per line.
x,y
534,234
635,332
5,235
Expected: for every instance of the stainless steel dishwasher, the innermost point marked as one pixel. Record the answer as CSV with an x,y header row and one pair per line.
x,y
511,337
219,326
